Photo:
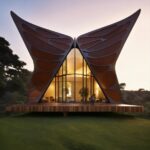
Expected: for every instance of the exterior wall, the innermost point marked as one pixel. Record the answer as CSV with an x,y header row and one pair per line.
x,y
48,50
100,48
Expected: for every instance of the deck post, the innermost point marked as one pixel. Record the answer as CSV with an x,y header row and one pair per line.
x,y
65,114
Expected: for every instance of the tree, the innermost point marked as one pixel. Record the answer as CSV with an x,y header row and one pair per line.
x,y
13,77
10,65
141,90
122,86
11,68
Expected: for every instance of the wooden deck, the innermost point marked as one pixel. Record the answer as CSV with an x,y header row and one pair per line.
x,y
74,107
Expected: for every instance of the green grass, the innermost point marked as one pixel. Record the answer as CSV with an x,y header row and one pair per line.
x,y
37,132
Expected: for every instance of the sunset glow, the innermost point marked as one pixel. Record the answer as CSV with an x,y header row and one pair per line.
x,y
77,17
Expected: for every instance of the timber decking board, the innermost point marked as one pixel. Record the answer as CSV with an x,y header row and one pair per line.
x,y
74,107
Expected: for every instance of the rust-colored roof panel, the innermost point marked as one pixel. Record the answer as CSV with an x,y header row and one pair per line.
x,y
101,49
48,50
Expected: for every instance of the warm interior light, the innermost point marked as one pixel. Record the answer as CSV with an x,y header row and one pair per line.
x,y
69,92
96,90
74,81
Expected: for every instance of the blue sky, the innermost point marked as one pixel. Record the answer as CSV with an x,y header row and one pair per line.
x,y
76,17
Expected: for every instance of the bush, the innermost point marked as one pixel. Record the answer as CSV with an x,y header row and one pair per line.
x,y
10,98
137,98
147,108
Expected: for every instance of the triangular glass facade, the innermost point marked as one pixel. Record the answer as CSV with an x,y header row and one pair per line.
x,y
74,82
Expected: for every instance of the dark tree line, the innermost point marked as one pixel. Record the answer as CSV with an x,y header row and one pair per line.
x,y
13,75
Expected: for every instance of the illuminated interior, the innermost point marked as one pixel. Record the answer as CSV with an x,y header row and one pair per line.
x,y
74,82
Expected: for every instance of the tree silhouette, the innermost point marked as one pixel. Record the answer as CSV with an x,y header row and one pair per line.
x,y
13,76
122,86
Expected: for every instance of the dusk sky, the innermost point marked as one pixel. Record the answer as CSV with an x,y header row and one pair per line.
x,y
76,17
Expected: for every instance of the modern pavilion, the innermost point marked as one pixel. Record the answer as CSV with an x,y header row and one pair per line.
x,y
75,75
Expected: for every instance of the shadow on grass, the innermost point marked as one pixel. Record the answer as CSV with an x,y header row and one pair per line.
x,y
76,145
76,114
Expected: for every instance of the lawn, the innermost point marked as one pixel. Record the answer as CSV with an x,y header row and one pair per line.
x,y
47,132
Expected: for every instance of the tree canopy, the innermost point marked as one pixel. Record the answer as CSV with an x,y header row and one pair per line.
x,y
13,75
10,65
122,86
